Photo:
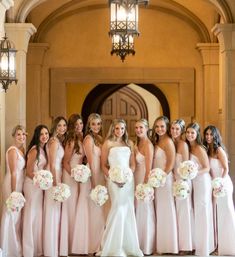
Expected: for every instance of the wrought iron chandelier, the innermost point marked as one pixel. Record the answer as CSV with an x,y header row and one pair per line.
x,y
7,63
124,25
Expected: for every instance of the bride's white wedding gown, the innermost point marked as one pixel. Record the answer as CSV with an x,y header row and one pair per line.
x,y
120,237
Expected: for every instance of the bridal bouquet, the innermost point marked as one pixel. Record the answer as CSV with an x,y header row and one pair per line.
x,y
43,179
15,202
120,175
61,192
157,177
181,189
218,187
188,170
81,173
99,195
144,192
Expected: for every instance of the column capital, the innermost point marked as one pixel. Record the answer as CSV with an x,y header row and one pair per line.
x,y
209,53
7,3
20,34
36,52
226,36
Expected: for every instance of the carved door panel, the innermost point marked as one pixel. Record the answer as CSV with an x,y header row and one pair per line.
x,y
124,104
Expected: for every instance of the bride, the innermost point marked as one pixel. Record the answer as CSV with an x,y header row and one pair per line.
x,y
120,235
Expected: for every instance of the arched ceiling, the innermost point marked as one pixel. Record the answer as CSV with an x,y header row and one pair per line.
x,y
201,15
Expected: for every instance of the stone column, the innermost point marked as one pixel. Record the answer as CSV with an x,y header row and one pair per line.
x,y
210,58
4,5
226,36
35,58
20,34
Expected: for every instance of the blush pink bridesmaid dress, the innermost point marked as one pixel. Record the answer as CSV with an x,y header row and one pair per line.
x,y
69,207
166,225
144,211
10,235
33,209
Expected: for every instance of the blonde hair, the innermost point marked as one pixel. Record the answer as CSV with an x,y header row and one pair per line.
x,y
88,131
181,123
146,124
16,128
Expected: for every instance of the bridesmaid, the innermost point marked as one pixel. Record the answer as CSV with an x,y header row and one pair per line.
x,y
164,158
52,209
202,193
36,159
223,206
145,213
10,235
92,146
184,209
73,155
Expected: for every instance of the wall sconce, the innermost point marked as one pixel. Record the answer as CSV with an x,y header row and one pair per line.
x,y
7,63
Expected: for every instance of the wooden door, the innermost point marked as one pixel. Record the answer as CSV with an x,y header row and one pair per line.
x,y
126,104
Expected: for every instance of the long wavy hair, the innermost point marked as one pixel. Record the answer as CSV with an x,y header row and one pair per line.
x,y
72,136
88,130
54,127
111,133
155,136
146,124
35,141
196,127
217,140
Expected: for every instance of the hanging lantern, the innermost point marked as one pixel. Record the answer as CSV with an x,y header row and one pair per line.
x,y
7,63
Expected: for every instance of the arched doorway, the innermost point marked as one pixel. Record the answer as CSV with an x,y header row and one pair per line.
x,y
96,98
127,104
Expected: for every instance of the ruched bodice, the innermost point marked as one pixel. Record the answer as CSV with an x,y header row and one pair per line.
x,y
159,158
77,158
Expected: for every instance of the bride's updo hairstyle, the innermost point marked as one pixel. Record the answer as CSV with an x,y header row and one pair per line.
x,y
111,133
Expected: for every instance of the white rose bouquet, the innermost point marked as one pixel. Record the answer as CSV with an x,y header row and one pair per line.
x,y
181,189
157,178
43,179
188,170
81,173
218,187
120,175
15,202
99,195
61,192
144,192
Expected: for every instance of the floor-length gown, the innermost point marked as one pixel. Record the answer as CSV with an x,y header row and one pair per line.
x,y
184,213
52,212
10,236
33,210
224,212
144,211
120,237
69,207
90,219
203,212
166,225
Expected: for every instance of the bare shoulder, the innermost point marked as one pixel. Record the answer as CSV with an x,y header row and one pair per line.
x,y
182,145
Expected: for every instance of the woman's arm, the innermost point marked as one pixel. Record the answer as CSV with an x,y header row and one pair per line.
x,y
52,150
12,162
32,154
104,158
68,152
170,155
183,150
222,156
148,153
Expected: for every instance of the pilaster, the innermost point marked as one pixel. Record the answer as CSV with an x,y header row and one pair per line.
x,y
20,34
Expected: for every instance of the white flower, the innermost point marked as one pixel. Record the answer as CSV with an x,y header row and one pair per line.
x,y
81,173
157,177
120,175
188,170
218,187
61,192
181,189
15,202
144,192
43,179
99,195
